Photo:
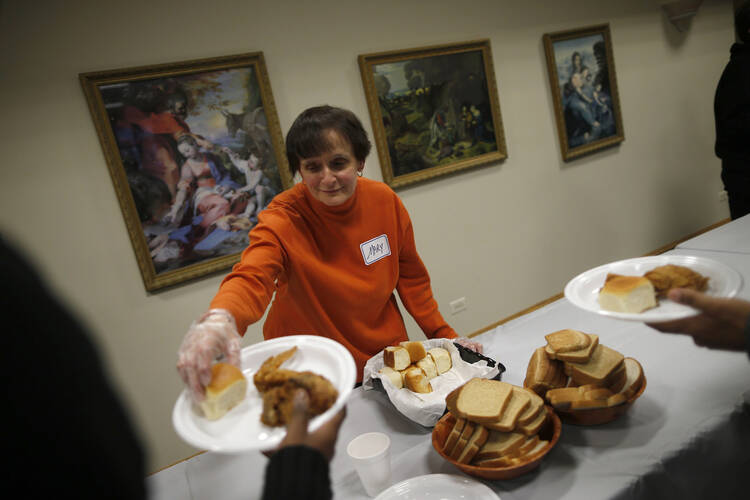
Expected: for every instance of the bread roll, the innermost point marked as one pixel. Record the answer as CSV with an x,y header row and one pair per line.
x,y
628,294
427,365
416,381
396,357
416,350
442,359
226,390
393,376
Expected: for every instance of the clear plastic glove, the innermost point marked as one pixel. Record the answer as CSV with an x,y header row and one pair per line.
x,y
212,336
476,346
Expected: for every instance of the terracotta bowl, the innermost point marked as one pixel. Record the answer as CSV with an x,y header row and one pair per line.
x,y
600,415
550,431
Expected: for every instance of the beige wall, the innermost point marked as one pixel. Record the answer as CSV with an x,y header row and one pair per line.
x,y
504,236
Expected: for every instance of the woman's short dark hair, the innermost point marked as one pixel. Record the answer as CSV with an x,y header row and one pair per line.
x,y
306,137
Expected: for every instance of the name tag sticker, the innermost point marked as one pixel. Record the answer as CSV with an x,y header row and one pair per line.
x,y
375,249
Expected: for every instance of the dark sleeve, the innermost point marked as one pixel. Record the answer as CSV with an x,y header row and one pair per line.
x,y
747,336
297,472
69,435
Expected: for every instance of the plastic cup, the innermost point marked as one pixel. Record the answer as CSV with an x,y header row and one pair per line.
x,y
371,455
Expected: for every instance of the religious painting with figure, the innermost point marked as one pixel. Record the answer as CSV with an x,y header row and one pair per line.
x,y
195,153
584,90
434,110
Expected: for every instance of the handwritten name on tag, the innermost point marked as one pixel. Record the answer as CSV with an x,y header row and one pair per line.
x,y
375,249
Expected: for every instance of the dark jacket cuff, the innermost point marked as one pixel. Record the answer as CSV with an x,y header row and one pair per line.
x,y
296,472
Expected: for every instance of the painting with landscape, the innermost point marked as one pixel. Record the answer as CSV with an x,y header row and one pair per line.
x,y
434,110
194,150
584,90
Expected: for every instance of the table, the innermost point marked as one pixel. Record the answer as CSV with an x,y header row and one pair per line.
x,y
731,237
688,436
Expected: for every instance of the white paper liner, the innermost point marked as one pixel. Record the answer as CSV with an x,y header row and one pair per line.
x,y
426,409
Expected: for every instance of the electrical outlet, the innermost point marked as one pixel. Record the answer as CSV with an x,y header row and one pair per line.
x,y
722,195
458,305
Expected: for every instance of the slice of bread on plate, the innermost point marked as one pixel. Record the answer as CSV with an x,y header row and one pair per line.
x,y
226,390
627,294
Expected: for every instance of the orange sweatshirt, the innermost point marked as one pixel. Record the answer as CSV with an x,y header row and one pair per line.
x,y
334,270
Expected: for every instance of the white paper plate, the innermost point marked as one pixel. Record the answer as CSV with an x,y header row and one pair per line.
x,y
583,290
438,487
240,429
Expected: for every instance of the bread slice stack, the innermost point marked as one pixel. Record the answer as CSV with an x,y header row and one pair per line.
x,y
411,366
595,376
496,424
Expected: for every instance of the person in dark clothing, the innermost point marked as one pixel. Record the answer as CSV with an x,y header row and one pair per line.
x,y
68,434
732,114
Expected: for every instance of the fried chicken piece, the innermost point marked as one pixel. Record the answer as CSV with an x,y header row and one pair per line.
x,y
278,401
664,278
278,386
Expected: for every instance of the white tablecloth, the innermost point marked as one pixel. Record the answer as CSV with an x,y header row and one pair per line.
x,y
688,436
732,237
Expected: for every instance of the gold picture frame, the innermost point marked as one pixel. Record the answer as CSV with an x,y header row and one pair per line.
x,y
195,151
583,82
434,110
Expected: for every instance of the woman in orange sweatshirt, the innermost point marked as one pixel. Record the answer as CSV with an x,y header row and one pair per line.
x,y
333,249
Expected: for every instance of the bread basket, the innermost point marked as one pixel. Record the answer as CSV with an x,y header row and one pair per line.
x,y
550,431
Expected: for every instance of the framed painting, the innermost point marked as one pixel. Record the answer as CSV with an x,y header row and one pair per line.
x,y
583,82
434,110
195,152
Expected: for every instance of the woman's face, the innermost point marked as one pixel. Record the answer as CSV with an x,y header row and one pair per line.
x,y
187,149
332,177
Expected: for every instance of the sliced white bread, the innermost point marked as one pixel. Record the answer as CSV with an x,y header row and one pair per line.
x,y
518,402
466,433
579,356
567,341
634,379
479,400
536,404
453,436
416,350
628,294
477,439
393,376
427,365
535,425
603,363
499,444
529,444
544,373
396,357
442,359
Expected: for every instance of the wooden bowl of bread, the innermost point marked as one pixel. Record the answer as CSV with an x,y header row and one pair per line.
x,y
586,382
495,430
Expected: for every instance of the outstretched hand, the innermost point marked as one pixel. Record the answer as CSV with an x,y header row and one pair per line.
x,y
476,346
323,439
719,324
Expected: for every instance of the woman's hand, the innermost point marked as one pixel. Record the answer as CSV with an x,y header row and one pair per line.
x,y
476,346
213,336
720,324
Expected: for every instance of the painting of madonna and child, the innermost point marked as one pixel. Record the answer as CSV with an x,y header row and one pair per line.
x,y
197,153
584,90
435,110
